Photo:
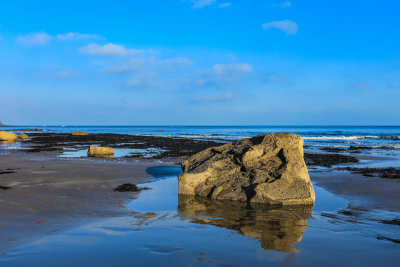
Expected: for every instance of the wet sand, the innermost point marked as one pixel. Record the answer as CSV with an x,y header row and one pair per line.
x,y
363,192
47,195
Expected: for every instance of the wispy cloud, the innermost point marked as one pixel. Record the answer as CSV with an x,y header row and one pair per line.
x,y
285,4
109,49
222,74
223,69
202,3
232,57
145,63
43,38
226,4
63,74
274,78
34,38
214,97
76,36
287,26
362,86
144,81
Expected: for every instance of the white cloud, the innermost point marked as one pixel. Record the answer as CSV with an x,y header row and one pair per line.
x,y
220,74
176,61
226,4
288,26
42,38
34,38
109,49
222,69
76,36
144,63
202,3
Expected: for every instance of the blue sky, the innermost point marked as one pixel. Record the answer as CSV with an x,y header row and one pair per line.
x,y
200,62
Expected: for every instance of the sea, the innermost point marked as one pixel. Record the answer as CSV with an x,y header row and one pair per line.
x,y
385,137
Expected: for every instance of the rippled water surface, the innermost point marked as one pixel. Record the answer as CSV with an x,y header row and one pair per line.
x,y
165,229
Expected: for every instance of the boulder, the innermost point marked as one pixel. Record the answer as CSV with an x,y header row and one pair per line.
x,y
79,133
264,169
7,136
22,136
101,152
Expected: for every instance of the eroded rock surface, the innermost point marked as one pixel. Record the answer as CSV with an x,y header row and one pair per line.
x,y
264,169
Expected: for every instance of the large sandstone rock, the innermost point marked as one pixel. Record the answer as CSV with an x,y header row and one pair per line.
x,y
7,136
101,152
79,133
264,169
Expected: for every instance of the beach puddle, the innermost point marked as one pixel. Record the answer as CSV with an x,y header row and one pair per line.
x,y
118,152
165,229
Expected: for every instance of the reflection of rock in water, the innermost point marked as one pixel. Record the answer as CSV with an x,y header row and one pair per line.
x,y
276,228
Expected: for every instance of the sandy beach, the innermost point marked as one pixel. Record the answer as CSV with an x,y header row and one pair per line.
x,y
48,195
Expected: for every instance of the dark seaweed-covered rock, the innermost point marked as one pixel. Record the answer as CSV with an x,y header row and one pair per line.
x,y
333,149
394,240
129,188
359,147
392,222
327,159
389,173
168,147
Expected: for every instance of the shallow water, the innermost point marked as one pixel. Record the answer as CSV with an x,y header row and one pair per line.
x,y
118,152
167,230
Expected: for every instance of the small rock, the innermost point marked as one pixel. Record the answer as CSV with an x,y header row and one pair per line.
x,y
79,133
101,152
4,187
7,136
22,136
129,188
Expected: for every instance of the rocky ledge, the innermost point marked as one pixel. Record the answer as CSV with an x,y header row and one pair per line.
x,y
264,169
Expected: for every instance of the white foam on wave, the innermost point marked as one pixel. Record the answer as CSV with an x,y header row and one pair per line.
x,y
351,137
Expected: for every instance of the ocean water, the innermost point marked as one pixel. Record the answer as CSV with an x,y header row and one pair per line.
x,y
314,136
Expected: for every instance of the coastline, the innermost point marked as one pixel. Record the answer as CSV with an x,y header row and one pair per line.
x,y
50,194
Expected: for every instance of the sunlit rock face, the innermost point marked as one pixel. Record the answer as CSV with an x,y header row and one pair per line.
x,y
101,152
276,228
7,136
264,169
